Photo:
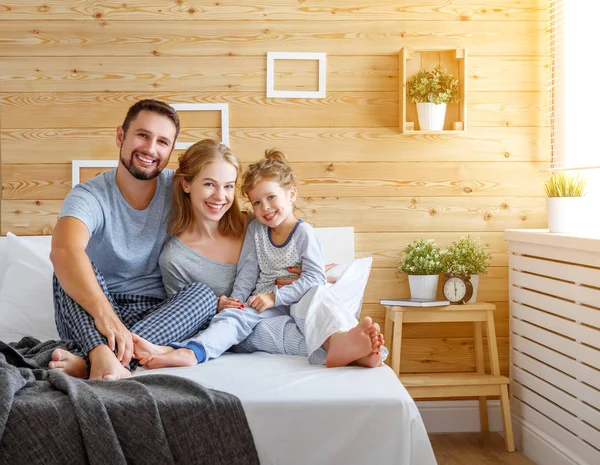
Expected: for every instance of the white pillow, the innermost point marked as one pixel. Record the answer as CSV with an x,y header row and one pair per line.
x,y
350,286
26,300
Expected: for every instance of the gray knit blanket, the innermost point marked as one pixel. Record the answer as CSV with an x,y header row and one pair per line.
x,y
47,417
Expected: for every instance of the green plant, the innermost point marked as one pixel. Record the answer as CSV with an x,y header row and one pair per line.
x,y
466,257
421,257
565,184
436,86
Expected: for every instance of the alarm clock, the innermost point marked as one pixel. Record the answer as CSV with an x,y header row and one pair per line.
x,y
457,289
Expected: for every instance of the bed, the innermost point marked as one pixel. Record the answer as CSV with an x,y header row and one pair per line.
x,y
297,413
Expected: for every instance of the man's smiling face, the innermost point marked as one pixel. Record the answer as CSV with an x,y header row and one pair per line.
x,y
146,147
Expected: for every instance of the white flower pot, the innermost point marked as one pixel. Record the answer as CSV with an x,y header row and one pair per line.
x,y
475,283
431,116
423,287
566,214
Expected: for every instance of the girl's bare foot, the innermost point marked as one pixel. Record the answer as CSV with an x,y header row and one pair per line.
x,y
346,347
104,364
69,363
142,347
173,358
373,359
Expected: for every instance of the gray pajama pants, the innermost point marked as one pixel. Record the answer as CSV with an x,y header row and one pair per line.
x,y
230,327
158,321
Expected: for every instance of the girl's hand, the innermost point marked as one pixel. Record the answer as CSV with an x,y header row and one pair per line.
x,y
224,302
262,302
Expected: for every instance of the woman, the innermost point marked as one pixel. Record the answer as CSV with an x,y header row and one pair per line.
x,y
207,230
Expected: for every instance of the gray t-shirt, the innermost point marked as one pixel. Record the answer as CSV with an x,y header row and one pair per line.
x,y
125,243
181,265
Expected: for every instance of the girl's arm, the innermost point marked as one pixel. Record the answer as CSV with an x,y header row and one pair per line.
x,y
247,269
313,267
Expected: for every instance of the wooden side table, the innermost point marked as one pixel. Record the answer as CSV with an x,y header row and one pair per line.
x,y
436,385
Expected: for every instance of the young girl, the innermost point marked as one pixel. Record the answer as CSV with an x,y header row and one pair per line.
x,y
274,241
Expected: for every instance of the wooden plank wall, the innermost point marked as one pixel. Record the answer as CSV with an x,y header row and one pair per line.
x,y
69,69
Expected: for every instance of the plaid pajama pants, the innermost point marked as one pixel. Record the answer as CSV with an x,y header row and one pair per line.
x,y
159,321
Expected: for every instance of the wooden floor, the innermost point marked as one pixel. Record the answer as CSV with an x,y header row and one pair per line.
x,y
474,449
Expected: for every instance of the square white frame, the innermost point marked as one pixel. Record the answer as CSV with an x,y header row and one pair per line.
x,y
222,107
320,57
78,164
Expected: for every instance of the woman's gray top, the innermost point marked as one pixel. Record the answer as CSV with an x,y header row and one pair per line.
x,y
181,265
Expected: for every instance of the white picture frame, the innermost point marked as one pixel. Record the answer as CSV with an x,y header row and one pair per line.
x,y
322,89
222,107
76,166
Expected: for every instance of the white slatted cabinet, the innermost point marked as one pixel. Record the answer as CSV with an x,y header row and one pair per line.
x,y
555,343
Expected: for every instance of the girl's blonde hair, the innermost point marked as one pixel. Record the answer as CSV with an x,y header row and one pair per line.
x,y
274,167
191,164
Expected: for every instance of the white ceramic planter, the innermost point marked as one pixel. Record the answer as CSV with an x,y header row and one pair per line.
x,y
431,116
423,287
566,214
475,283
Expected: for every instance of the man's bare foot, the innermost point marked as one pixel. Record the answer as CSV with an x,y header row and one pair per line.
x,y
346,347
142,347
173,358
104,364
373,359
69,363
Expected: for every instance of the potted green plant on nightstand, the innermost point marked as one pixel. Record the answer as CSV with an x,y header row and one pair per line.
x,y
565,204
467,258
431,91
422,261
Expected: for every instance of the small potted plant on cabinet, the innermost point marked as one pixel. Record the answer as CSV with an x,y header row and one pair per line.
x,y
431,91
422,261
468,259
565,204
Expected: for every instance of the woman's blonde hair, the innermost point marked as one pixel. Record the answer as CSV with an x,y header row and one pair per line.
x,y
191,164
274,167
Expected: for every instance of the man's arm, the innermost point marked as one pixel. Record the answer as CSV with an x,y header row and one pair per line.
x,y
76,275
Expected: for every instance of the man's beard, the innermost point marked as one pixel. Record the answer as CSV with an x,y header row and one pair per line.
x,y
139,173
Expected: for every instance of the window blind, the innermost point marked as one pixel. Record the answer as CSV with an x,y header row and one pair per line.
x,y
574,101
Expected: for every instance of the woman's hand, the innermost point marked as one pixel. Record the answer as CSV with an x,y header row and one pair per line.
x,y
115,332
262,302
224,302
280,282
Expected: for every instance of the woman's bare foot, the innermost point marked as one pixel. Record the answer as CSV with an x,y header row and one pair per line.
x,y
173,358
346,347
69,363
104,364
143,348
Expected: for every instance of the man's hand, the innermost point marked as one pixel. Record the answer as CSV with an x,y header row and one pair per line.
x,y
224,302
280,282
113,329
262,302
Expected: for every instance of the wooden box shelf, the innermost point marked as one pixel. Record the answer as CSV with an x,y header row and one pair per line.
x,y
454,61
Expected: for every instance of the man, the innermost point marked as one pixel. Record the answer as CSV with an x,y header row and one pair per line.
x,y
105,250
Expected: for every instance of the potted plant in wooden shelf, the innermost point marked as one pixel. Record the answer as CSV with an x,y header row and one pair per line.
x,y
468,259
565,204
422,261
431,91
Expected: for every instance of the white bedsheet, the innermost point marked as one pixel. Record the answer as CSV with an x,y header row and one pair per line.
x,y
301,414
307,415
